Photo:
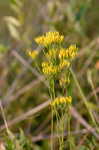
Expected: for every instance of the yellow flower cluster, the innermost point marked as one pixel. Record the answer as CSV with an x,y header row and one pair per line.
x,y
61,100
64,81
33,54
64,63
57,57
63,53
70,52
49,68
49,38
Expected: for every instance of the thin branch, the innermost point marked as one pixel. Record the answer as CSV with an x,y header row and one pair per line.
x,y
26,64
37,109
22,91
26,115
43,137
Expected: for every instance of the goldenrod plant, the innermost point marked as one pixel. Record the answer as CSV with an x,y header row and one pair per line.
x,y
55,67
51,94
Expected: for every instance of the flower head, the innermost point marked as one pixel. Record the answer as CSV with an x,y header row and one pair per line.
x,y
64,81
64,63
72,51
63,53
49,69
49,38
61,100
33,54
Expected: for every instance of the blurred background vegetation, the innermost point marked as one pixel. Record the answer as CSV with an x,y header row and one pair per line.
x,y
22,87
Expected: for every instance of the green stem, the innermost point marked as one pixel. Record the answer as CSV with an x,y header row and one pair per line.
x,y
83,97
62,130
57,119
4,118
52,93
52,129
69,132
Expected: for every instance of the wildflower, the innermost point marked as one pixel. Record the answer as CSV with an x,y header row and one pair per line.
x,y
49,38
64,63
49,69
64,81
40,40
33,54
73,47
45,64
61,100
63,53
72,51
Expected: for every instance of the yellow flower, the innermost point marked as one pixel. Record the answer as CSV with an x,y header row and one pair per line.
x,y
63,53
40,40
49,38
61,100
64,81
64,63
48,69
73,47
45,64
72,51
33,54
